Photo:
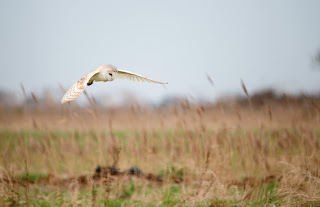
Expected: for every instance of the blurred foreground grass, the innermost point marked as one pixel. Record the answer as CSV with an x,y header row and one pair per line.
x,y
261,150
226,167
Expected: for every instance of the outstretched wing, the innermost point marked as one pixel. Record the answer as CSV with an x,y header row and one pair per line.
x,y
123,74
76,89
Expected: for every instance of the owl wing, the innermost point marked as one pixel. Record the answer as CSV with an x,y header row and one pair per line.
x,y
76,89
123,74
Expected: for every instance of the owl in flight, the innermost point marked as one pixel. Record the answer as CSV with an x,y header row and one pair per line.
x,y
102,73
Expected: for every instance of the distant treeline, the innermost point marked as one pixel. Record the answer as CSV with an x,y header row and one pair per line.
x,y
10,101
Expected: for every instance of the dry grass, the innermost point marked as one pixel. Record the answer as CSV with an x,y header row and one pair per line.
x,y
260,152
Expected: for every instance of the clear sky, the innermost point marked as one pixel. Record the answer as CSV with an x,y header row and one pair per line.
x,y
265,43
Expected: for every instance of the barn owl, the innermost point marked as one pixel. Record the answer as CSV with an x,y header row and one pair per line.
x,y
102,73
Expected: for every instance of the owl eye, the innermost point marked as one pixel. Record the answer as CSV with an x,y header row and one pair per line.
x,y
110,74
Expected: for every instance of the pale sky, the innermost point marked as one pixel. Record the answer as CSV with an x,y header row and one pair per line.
x,y
265,43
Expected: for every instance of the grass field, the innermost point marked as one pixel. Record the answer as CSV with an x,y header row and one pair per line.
x,y
244,154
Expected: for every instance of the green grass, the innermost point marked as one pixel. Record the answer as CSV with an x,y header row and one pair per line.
x,y
170,196
31,177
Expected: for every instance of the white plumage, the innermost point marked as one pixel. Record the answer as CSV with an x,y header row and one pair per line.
x,y
102,73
